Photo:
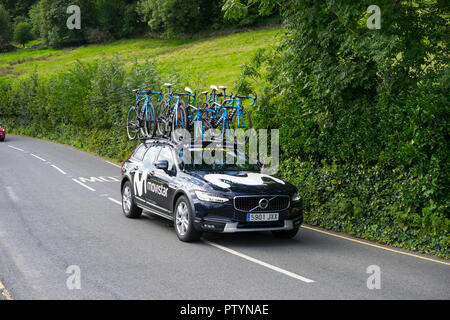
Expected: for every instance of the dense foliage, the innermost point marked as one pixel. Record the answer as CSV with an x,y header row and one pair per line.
x,y
5,28
363,116
175,17
103,20
84,106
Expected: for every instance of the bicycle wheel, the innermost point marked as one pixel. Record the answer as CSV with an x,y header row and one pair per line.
x,y
211,116
179,122
132,123
162,119
150,121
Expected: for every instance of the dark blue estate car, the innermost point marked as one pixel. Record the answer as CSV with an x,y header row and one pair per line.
x,y
169,180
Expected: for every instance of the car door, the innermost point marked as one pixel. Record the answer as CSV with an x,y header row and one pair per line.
x,y
136,172
161,183
149,170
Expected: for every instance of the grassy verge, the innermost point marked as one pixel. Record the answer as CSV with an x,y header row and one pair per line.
x,y
214,59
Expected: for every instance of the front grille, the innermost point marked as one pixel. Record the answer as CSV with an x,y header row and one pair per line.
x,y
251,203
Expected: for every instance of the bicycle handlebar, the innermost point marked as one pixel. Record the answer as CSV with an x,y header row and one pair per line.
x,y
247,97
146,92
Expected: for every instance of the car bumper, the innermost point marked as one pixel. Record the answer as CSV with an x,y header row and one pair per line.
x,y
224,226
234,227
225,218
2,135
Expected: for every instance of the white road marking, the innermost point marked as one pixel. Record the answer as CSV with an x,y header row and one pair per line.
x,y
262,263
111,163
11,194
82,184
37,157
115,201
58,169
99,179
16,148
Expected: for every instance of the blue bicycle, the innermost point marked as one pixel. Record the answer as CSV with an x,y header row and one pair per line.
x,y
171,113
227,114
141,121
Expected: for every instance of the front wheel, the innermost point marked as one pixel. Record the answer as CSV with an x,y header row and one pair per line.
x,y
162,119
129,207
150,121
184,221
179,123
132,124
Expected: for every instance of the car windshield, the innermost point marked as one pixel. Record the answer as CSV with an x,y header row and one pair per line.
x,y
215,159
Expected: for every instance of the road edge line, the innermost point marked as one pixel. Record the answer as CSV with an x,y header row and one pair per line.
x,y
375,245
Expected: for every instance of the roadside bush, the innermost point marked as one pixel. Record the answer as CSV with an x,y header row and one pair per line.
x,y
85,106
363,116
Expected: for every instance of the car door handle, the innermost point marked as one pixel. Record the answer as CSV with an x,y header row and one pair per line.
x,y
152,173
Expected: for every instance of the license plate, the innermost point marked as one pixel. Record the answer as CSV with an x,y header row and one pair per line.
x,y
254,217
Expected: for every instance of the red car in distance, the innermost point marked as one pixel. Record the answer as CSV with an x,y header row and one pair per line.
x,y
2,133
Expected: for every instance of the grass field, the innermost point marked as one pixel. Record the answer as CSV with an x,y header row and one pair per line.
x,y
215,60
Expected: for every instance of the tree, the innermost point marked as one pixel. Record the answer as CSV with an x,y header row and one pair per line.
x,y
50,17
17,7
175,17
118,18
5,29
22,33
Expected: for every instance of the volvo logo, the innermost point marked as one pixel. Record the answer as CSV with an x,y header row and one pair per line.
x,y
263,203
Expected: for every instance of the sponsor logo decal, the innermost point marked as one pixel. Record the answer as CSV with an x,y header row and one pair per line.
x,y
141,186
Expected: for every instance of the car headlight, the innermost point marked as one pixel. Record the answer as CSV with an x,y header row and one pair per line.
x,y
205,196
296,196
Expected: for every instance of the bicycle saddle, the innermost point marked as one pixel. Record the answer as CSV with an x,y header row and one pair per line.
x,y
205,92
188,90
214,88
168,84
223,87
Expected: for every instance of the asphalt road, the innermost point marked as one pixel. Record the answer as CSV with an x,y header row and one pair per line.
x,y
60,207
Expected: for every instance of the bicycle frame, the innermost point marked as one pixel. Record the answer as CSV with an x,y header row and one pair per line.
x,y
146,100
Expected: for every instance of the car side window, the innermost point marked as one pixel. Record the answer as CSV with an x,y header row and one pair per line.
x,y
166,154
151,154
139,153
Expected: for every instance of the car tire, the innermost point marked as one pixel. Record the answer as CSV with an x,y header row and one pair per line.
x,y
286,234
129,207
184,221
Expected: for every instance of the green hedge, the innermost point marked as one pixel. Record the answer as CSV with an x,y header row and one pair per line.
x,y
83,107
363,116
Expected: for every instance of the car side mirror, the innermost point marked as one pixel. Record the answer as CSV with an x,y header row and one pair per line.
x,y
162,164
